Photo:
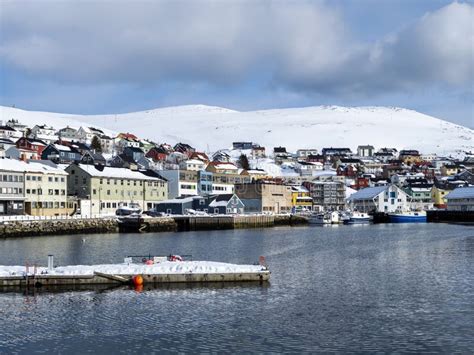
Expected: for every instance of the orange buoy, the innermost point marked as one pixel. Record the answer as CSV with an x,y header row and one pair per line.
x,y
137,280
138,288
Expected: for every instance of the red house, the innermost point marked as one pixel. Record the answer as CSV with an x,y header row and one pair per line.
x,y
34,145
157,154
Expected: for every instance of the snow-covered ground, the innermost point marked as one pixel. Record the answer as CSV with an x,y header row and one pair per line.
x,y
212,128
166,267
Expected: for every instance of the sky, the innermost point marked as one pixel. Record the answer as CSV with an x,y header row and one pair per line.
x,y
96,57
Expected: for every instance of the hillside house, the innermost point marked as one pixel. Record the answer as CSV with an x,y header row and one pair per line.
x,y
365,150
61,154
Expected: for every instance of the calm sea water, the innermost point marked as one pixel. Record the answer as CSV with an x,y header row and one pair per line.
x,y
406,288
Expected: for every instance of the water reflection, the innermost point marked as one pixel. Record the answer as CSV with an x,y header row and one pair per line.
x,y
389,288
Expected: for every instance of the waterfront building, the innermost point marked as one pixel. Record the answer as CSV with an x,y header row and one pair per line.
x,y
35,188
12,195
389,198
45,190
461,199
225,204
109,188
300,198
266,197
181,182
327,195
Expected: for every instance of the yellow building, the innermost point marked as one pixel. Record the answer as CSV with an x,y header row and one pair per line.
x,y
438,196
300,198
449,170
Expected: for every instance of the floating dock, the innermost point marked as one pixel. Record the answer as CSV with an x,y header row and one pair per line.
x,y
156,273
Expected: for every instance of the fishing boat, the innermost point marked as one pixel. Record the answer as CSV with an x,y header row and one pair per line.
x,y
357,218
407,217
319,218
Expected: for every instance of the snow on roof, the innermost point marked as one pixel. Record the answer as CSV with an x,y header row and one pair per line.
x,y
218,203
367,193
299,189
194,161
62,147
21,166
180,200
118,173
461,192
350,191
220,165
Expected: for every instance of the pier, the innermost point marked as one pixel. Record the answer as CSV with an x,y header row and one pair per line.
x,y
218,222
124,274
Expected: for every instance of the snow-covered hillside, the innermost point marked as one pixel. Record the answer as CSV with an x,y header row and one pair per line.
x,y
212,128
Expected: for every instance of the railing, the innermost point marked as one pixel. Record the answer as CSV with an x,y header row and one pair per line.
x,y
12,218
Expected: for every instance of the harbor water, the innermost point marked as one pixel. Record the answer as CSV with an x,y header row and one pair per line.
x,y
360,288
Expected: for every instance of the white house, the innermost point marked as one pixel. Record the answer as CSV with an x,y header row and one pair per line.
x,y
67,133
192,164
461,199
304,153
305,168
379,199
45,133
9,132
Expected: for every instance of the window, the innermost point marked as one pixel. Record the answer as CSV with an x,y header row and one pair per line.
x,y
50,179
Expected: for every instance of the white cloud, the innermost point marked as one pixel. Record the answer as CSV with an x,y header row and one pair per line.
x,y
302,46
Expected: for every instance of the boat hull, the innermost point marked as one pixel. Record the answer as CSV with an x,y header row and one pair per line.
x,y
357,221
407,219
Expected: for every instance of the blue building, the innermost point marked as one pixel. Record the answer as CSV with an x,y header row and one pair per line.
x,y
204,182
61,154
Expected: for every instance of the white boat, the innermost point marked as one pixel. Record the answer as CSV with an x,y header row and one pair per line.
x,y
319,218
358,218
407,217
133,209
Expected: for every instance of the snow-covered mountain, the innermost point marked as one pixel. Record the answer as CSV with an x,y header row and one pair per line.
x,y
211,128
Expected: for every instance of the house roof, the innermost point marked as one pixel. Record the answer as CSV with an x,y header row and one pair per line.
x,y
117,173
7,128
461,192
134,149
21,166
33,141
180,200
368,193
126,158
223,165
95,156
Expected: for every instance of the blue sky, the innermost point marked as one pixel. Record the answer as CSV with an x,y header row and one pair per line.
x,y
93,57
